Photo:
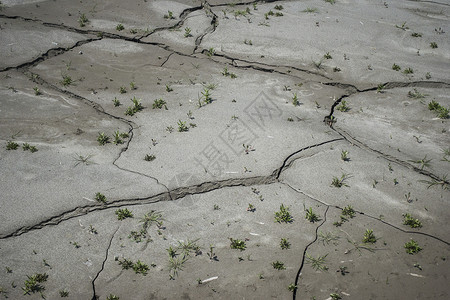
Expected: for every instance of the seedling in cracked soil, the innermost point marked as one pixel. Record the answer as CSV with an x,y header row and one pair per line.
x,y
182,126
33,284
82,20
283,215
343,270
136,107
328,238
152,217
443,182
335,296
442,112
37,91
28,147
343,106
207,99
317,263
85,159
344,155
226,73
415,94
187,32
169,15
369,237
237,244
149,157
295,100
292,287
66,80
311,216
210,52
410,221
284,244
12,145
424,162
123,213
412,247
112,297
175,265
340,182
396,67
120,27
380,88
278,265
100,197
102,139
116,102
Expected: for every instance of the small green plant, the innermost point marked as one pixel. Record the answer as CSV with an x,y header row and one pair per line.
x,y
237,244
344,155
369,237
100,197
295,100
37,91
82,20
206,95
64,293
433,45
102,139
211,254
210,52
396,67
112,297
416,34
278,265
228,74
402,27
412,247
251,208
317,263
408,71
118,137
168,88
335,296
428,75
132,86
424,162
33,284
343,106
443,182
120,27
116,102
318,64
328,237
140,268
343,270
152,217
348,211
159,103
175,265
136,107
292,287
443,113
410,221
126,264
284,244
327,55
340,182
66,80
187,32
122,90
182,126
12,145
416,94
310,10
149,157
169,15
380,88
123,213
248,42
283,215
311,216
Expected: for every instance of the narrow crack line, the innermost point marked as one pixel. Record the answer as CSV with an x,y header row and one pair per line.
x,y
367,215
297,277
387,157
94,297
167,59
433,2
50,53
286,165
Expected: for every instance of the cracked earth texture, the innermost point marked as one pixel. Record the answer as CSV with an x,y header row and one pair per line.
x,y
218,112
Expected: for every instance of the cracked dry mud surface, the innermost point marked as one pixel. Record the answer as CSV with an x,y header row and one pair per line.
x,y
244,107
